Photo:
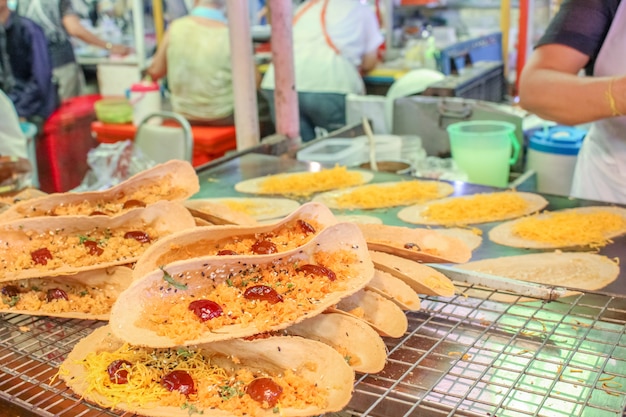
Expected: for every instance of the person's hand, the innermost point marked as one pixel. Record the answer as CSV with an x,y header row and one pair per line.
x,y
122,50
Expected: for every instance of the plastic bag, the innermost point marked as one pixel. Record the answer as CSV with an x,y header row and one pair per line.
x,y
112,163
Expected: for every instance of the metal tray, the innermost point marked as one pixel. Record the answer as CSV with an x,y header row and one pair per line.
x,y
479,353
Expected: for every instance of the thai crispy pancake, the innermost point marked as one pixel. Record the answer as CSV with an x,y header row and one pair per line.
x,y
379,312
174,180
64,245
303,184
422,245
586,271
394,289
216,213
219,298
258,209
385,194
25,194
473,209
359,343
285,234
285,375
86,295
421,278
592,226
472,237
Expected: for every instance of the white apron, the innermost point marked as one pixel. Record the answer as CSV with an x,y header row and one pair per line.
x,y
320,67
601,166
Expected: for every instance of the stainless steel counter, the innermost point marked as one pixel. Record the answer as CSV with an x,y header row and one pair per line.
x,y
219,181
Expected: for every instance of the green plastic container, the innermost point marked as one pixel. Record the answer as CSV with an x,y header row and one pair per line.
x,y
114,110
484,150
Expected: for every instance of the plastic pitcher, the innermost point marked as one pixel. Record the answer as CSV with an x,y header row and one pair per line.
x,y
485,150
145,97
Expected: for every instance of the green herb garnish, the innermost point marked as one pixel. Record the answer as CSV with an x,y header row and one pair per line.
x,y
168,278
11,302
82,239
227,392
184,353
192,409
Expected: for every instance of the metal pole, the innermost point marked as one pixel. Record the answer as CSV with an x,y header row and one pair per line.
x,y
139,33
391,52
244,83
285,95
523,39
157,15
505,28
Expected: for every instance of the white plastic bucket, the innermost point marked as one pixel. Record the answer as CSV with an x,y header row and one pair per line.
x,y
145,97
552,154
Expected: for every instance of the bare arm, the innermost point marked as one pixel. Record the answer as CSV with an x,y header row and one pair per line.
x,y
369,62
551,88
72,24
158,67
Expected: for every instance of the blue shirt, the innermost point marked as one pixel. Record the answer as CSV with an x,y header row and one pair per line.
x,y
32,91
581,25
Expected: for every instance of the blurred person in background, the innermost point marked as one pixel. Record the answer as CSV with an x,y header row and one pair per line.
x,y
335,42
59,22
25,67
12,139
589,36
195,54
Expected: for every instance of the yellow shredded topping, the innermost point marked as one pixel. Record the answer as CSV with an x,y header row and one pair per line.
x,y
476,208
218,381
307,183
249,207
571,228
378,196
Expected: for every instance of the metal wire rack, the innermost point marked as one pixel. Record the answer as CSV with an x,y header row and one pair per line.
x,y
481,353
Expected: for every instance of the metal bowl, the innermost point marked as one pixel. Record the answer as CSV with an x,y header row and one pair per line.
x,y
396,167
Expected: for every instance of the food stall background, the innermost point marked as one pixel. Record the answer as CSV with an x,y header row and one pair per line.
x,y
483,30
464,356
